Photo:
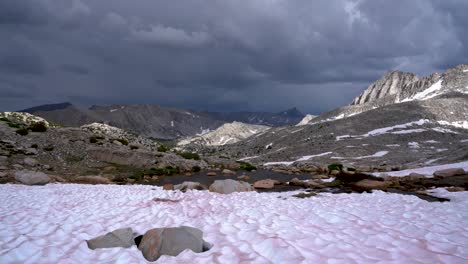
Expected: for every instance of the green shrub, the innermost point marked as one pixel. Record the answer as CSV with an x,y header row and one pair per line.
x,y
163,148
93,140
4,119
38,127
14,125
189,155
22,131
134,147
34,146
48,148
335,166
247,167
196,168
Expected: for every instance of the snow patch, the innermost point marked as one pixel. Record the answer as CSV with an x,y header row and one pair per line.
x,y
430,92
49,224
303,158
413,145
375,155
428,171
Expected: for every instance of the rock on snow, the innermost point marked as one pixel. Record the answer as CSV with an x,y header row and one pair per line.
x,y
50,224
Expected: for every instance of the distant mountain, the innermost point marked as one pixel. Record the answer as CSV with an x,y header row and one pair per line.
x,y
47,107
228,133
284,118
156,121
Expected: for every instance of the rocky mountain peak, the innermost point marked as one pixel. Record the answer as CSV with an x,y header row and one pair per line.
x,y
293,112
390,84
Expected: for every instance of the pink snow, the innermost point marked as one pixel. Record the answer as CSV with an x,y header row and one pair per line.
x,y
49,224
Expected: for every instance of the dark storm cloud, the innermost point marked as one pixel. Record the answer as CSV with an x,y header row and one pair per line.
x,y
222,55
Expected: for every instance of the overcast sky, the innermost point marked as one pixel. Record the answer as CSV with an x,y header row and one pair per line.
x,y
222,55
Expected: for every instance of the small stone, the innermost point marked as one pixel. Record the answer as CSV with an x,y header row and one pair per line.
x,y
449,172
244,178
17,166
211,174
265,184
168,187
92,180
456,189
3,168
30,162
3,174
188,185
415,176
372,185
31,151
228,172
109,168
117,238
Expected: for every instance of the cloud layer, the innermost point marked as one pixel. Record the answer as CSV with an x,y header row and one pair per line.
x,y
219,55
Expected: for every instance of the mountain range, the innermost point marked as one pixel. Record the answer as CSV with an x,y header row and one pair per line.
x,y
158,122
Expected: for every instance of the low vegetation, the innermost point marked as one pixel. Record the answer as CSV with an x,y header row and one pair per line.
x,y
189,155
22,131
4,119
14,125
35,146
122,140
247,167
38,127
166,171
335,166
93,140
48,148
196,168
163,148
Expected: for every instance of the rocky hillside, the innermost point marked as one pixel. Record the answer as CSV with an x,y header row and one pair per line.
x,y
148,120
423,123
398,87
284,118
226,134
306,120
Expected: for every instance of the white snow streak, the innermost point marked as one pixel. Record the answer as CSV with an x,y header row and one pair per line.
x,y
430,92
300,159
375,155
428,171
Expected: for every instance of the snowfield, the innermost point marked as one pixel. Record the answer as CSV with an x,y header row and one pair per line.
x,y
428,171
49,224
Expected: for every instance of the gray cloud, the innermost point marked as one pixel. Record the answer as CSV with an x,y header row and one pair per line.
x,y
222,55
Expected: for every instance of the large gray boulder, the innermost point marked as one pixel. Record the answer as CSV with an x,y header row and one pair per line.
x,y
32,177
229,186
118,238
171,241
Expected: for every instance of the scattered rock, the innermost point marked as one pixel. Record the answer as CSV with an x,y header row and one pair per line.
x,y
30,162
17,166
449,172
228,172
109,168
414,176
168,187
372,185
171,241
188,185
92,180
265,184
32,177
211,173
2,168
31,151
304,195
229,186
456,189
3,174
3,159
117,238
297,182
244,178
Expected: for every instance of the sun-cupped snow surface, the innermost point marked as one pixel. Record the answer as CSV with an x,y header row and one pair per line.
x,y
49,224
303,158
428,171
